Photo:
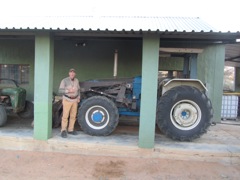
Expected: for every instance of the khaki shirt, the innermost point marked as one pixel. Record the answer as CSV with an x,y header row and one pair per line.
x,y
67,84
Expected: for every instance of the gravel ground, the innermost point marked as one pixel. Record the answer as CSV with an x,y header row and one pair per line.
x,y
29,165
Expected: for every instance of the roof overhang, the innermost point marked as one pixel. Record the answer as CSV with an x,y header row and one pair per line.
x,y
220,37
116,26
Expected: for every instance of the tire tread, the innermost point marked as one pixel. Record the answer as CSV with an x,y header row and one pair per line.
x,y
114,116
171,96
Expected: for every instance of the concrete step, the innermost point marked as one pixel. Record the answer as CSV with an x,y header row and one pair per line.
x,y
222,142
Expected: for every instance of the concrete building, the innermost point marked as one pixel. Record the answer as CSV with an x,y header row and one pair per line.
x,y
43,49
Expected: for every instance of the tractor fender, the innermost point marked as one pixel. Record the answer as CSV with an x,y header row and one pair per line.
x,y
183,82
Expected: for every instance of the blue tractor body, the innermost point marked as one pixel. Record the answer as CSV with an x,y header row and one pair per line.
x,y
134,96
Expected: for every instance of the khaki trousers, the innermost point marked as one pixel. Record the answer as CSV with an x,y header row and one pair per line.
x,y
69,108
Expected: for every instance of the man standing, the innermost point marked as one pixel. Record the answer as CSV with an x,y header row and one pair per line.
x,y
70,90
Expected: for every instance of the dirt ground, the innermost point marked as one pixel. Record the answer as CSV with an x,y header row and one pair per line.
x,y
28,165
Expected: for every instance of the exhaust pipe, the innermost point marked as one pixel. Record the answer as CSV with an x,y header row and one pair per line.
x,y
115,66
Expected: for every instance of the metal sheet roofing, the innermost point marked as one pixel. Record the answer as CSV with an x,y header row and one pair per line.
x,y
232,52
110,23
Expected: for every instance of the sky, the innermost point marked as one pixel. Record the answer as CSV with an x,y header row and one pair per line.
x,y
221,14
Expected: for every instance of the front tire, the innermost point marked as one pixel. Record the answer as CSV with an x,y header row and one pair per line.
x,y
184,113
3,116
98,116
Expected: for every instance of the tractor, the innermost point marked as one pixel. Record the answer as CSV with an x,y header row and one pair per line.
x,y
13,101
184,112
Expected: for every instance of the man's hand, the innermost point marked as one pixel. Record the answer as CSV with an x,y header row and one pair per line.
x,y
78,100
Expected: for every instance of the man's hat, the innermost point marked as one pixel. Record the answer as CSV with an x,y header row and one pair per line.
x,y
72,70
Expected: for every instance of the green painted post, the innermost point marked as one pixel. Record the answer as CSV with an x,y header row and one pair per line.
x,y
210,66
43,82
150,56
218,82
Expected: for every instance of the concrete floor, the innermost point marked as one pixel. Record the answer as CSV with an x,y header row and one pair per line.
x,y
222,142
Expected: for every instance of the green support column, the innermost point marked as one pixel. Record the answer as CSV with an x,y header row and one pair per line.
x,y
43,81
150,56
210,66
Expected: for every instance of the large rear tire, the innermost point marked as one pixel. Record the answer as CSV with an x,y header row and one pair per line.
x,y
184,113
3,116
98,116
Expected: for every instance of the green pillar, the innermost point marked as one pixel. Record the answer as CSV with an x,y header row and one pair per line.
x,y
210,66
43,80
150,56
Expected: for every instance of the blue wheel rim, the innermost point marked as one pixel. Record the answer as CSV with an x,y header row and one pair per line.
x,y
97,117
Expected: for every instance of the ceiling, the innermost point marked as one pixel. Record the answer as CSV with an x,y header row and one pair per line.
x,y
232,55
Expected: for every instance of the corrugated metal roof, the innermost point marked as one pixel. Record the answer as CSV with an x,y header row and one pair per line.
x,y
110,23
232,51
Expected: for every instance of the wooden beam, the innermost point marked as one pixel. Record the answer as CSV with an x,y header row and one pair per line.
x,y
164,55
181,50
231,63
232,58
